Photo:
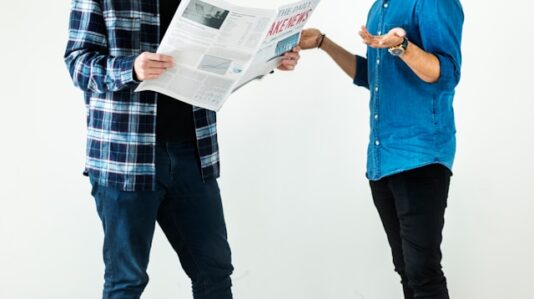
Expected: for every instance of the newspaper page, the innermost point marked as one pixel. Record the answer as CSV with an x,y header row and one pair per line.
x,y
218,47
283,35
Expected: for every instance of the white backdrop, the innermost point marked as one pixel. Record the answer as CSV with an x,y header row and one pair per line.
x,y
299,212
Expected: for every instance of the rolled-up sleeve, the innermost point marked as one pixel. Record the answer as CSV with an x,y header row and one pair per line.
x,y
440,24
362,76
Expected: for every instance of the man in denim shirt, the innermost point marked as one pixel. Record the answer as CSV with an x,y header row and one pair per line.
x,y
412,68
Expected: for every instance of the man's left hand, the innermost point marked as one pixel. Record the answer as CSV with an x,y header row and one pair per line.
x,y
393,38
290,60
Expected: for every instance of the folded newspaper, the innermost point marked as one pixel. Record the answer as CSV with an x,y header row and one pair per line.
x,y
218,47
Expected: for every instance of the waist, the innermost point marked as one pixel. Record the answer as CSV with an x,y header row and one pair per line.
x,y
185,144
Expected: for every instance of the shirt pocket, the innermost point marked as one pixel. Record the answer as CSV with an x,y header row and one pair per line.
x,y
124,35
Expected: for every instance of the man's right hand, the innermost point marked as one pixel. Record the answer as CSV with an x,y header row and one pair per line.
x,y
149,66
310,39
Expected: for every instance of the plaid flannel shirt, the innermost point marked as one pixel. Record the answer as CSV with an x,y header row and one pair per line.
x,y
105,37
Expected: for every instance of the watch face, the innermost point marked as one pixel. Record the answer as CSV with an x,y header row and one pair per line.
x,y
396,51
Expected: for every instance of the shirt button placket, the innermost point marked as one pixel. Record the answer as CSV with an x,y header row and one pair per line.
x,y
376,95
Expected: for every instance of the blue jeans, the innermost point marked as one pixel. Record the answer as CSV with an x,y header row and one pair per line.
x,y
190,213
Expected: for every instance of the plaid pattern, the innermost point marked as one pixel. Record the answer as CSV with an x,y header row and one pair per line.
x,y
105,37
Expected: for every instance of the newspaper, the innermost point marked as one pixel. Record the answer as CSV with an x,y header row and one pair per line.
x,y
218,47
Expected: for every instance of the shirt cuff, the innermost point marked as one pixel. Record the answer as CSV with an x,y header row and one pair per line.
x,y
361,78
449,75
127,70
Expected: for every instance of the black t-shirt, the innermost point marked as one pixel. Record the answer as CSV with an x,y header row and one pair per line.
x,y
174,120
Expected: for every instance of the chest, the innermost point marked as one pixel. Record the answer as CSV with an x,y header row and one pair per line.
x,y
130,8
132,26
385,15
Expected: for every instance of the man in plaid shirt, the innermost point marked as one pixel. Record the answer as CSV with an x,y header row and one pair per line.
x,y
150,158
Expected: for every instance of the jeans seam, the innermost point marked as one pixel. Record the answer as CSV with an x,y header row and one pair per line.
x,y
108,261
110,264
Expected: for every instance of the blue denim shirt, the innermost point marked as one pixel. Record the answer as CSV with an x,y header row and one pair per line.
x,y
412,122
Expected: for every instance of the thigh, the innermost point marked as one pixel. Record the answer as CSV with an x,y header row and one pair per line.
x,y
385,205
192,218
421,199
128,219
195,227
126,212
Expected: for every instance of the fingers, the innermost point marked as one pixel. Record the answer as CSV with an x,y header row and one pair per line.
x,y
156,72
283,67
287,66
291,59
292,56
149,66
367,38
151,77
158,65
374,41
157,57
398,32
364,33
392,38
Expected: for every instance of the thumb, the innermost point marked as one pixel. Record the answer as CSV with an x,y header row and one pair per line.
x,y
399,32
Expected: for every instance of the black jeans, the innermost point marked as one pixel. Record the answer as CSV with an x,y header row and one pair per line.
x,y
190,213
412,207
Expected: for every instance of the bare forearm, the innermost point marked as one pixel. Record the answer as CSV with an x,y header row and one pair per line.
x,y
343,58
425,65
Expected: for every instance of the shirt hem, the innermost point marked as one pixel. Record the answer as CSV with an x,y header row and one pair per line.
x,y
391,173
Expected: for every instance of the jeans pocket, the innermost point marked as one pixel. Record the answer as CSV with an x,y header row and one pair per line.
x,y
94,186
97,193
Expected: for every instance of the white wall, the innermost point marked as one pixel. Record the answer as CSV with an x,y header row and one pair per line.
x,y
301,220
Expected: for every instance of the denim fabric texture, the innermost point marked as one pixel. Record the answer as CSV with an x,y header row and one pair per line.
x,y
188,210
412,122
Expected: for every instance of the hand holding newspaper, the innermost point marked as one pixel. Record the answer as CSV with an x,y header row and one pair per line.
x,y
219,47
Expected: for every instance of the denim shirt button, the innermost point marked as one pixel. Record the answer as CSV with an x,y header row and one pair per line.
x,y
377,143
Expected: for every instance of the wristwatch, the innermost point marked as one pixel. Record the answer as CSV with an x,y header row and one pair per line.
x,y
400,49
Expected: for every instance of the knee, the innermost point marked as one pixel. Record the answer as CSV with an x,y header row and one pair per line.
x,y
426,279
214,270
421,270
125,285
